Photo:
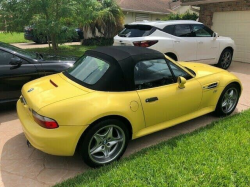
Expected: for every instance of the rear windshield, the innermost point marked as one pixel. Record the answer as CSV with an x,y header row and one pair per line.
x,y
136,31
88,69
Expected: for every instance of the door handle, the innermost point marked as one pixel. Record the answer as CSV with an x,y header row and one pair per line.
x,y
152,99
200,42
177,41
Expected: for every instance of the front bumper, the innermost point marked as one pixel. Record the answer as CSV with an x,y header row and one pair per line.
x,y
61,141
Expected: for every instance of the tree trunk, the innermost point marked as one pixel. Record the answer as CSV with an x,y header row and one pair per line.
x,y
49,42
54,42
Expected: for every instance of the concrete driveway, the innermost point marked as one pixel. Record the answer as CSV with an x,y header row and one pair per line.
x,y
23,166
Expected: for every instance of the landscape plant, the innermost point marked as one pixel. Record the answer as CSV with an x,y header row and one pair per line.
x,y
57,19
185,16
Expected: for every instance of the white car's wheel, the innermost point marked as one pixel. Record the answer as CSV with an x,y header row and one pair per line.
x,y
225,59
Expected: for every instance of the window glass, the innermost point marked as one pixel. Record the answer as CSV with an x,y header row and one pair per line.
x,y
178,71
152,73
88,69
169,29
5,58
183,31
26,53
202,31
136,31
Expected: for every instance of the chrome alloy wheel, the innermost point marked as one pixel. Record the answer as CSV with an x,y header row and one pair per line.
x,y
226,59
106,144
229,100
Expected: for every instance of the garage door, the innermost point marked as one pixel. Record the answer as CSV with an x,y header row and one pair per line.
x,y
235,24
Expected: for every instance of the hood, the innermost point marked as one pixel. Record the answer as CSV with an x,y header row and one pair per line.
x,y
48,57
47,90
201,70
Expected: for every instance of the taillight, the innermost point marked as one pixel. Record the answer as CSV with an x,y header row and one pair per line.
x,y
145,43
44,121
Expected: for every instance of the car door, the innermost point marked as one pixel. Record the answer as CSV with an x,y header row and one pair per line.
x,y
207,45
185,44
13,77
160,96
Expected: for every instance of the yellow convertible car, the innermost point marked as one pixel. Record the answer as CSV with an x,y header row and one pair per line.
x,y
114,94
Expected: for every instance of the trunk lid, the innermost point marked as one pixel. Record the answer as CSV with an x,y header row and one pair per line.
x,y
47,90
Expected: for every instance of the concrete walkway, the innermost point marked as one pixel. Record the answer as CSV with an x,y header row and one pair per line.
x,y
33,45
23,166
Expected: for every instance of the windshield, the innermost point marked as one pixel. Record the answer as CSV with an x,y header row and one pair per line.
x,y
23,52
88,69
136,31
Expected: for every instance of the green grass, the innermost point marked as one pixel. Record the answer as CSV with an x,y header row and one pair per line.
x,y
12,38
217,155
65,50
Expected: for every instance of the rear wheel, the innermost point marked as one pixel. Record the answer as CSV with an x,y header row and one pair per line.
x,y
225,59
228,100
104,143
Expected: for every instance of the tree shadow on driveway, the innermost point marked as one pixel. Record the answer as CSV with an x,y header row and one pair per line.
x,y
24,166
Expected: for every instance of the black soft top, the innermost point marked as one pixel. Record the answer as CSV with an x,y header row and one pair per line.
x,y
122,61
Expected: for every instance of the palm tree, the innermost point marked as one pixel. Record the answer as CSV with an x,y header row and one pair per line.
x,y
107,22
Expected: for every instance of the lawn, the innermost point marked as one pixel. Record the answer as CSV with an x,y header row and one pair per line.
x,y
65,50
217,155
12,38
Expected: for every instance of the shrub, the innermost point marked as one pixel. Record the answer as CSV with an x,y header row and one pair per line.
x,y
98,41
186,16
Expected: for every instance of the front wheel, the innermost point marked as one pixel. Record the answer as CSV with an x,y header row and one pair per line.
x,y
104,143
225,59
228,100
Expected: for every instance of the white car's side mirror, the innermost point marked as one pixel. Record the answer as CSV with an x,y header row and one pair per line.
x,y
215,35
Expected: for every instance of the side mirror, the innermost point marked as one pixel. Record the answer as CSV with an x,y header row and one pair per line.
x,y
15,62
215,35
181,82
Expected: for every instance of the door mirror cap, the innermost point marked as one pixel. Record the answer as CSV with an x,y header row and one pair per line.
x,y
181,82
15,61
215,35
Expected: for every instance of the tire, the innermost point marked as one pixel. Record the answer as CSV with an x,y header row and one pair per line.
x,y
104,143
228,100
225,59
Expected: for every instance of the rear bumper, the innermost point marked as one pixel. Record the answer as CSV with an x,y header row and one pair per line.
x,y
61,141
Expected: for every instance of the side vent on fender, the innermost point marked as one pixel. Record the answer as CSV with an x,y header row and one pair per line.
x,y
211,86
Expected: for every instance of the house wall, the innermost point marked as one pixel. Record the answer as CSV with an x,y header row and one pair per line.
x,y
130,17
207,10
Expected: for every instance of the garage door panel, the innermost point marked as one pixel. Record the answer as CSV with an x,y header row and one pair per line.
x,y
235,24
248,56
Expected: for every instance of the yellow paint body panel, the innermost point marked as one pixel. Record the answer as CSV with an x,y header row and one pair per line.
x,y
75,107
60,141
